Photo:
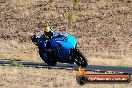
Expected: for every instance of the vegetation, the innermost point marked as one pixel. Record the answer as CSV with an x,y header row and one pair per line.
x,y
12,77
15,63
75,2
70,18
102,28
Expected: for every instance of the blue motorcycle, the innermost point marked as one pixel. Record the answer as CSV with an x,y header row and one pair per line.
x,y
61,48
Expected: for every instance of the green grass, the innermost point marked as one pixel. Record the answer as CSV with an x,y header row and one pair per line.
x,y
71,18
14,63
75,2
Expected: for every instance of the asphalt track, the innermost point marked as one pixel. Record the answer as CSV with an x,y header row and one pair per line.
x,y
94,68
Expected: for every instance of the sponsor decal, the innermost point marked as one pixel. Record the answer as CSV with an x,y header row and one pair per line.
x,y
83,78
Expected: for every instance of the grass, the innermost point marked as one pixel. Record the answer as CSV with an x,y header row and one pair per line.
x,y
20,17
75,2
22,2
51,1
45,78
88,23
15,64
70,18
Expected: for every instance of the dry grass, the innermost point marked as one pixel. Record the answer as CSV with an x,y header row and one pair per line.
x,y
12,77
15,51
102,28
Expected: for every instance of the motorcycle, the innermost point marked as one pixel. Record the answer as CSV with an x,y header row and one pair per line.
x,y
61,48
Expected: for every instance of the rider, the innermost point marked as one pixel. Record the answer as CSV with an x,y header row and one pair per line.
x,y
48,33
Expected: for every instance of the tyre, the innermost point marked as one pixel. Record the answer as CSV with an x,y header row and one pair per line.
x,y
81,80
80,60
51,61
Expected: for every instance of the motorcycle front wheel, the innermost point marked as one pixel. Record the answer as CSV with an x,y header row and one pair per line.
x,y
80,60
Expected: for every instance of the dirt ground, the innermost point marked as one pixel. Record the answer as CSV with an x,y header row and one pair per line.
x,y
103,28
17,77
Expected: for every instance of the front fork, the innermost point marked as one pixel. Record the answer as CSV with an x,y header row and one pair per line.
x,y
73,54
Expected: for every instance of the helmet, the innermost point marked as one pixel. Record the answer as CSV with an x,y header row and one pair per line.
x,y
47,29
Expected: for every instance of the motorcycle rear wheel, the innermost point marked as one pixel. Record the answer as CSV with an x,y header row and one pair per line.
x,y
51,61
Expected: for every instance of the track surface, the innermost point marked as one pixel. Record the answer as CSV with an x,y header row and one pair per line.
x,y
95,68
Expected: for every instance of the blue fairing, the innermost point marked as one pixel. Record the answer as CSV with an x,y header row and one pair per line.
x,y
63,42
70,43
